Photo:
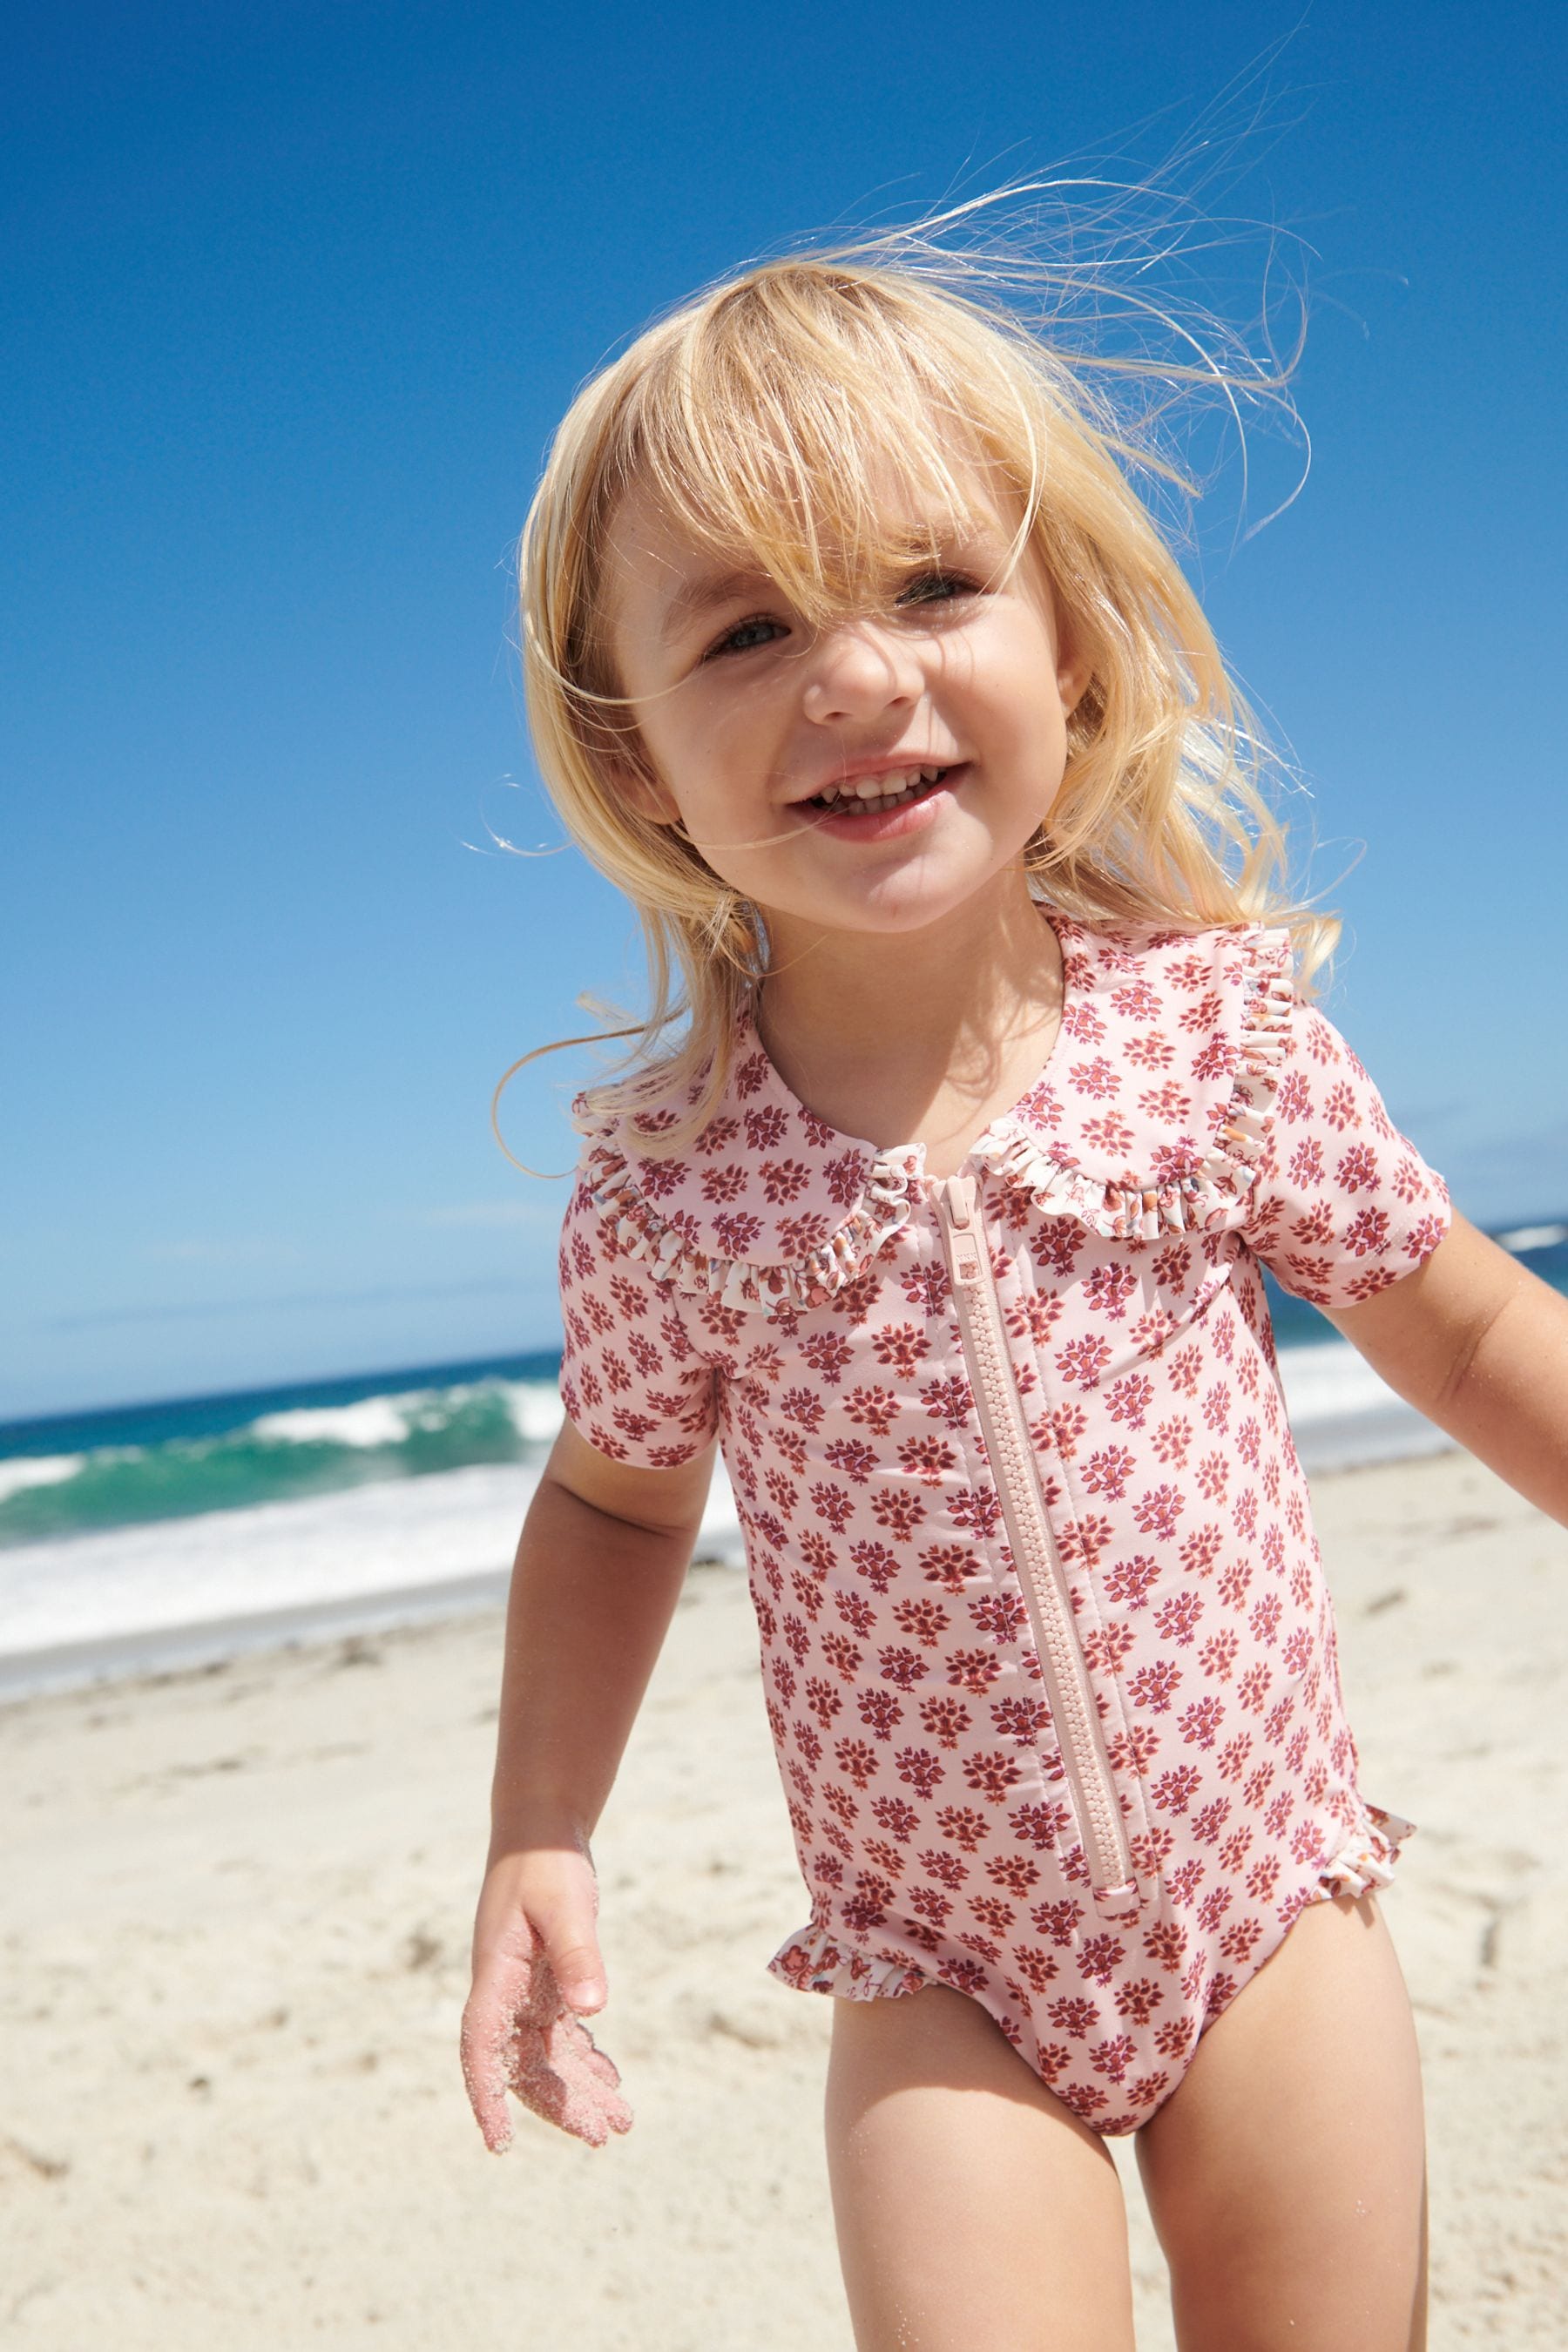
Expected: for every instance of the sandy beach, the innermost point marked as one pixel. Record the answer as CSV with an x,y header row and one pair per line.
x,y
236,1906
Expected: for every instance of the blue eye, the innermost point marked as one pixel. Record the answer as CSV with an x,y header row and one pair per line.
x,y
743,636
934,587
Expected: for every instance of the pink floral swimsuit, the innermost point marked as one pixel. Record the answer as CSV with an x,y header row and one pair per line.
x,y
1047,1652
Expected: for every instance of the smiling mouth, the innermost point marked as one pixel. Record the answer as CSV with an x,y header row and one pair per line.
x,y
876,795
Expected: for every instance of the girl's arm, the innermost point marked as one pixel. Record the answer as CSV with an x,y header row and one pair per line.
x,y
1479,1344
599,1568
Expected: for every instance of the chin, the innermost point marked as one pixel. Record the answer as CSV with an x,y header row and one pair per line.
x,y
896,916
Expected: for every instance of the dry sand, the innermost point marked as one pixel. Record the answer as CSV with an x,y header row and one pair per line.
x,y
235,1906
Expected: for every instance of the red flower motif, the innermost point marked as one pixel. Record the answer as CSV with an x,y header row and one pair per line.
x,y
926,1458
1107,1471
876,1409
946,1719
1002,1615
926,1286
902,1345
967,1828
880,1712
856,1461
1041,1826
922,1619
1073,2015
764,1128
828,1353
898,1509
833,1505
784,1180
901,1666
1154,1685
991,1773
949,1565
922,1770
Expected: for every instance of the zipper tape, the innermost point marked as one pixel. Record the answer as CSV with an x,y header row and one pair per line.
x,y
1074,1712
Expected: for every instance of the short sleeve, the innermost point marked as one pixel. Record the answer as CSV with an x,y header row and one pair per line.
x,y
1344,1204
632,1379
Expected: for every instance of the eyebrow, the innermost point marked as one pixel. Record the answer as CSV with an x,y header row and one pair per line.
x,y
701,595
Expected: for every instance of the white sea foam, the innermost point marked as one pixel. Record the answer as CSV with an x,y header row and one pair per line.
x,y
374,1420
1328,1379
42,1470
365,1543
534,1407
1532,1237
272,1556
536,1410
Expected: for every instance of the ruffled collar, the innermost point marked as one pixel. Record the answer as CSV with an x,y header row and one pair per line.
x,y
1147,1118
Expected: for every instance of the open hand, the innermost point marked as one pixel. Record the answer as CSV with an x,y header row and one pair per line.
x,y
520,2033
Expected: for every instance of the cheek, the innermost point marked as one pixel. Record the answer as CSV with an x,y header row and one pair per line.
x,y
1023,712
1007,670
692,739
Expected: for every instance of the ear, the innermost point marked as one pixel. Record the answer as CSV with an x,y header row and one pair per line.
x,y
1075,663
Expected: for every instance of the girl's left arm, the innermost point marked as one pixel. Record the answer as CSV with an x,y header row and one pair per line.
x,y
1479,1344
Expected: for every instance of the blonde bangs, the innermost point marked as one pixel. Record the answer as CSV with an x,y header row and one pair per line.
x,y
795,419
788,432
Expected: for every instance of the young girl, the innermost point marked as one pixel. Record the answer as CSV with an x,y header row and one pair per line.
x,y
856,662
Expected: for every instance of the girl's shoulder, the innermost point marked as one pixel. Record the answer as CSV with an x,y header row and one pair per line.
x,y
1147,1117
1149,1113
1139,973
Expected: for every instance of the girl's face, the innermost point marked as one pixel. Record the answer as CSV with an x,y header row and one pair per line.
x,y
872,775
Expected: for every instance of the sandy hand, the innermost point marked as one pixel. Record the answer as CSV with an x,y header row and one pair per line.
x,y
521,2034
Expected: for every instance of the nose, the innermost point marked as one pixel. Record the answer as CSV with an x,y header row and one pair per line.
x,y
858,670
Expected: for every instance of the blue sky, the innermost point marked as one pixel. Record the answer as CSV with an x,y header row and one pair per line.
x,y
292,300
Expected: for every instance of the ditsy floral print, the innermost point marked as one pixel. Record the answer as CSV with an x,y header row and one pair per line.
x,y
785,1286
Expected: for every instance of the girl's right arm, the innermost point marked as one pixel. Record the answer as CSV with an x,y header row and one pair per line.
x,y
599,1568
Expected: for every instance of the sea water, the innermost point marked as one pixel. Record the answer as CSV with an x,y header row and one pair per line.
x,y
180,1528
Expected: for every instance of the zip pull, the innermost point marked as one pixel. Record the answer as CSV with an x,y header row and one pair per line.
x,y
958,1203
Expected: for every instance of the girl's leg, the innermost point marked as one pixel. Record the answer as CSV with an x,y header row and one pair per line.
x,y
972,2209
1287,2174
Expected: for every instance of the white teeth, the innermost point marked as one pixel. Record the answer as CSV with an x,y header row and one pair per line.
x,y
878,792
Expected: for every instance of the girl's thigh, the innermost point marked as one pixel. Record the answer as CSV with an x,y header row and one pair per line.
x,y
972,2207
1287,2174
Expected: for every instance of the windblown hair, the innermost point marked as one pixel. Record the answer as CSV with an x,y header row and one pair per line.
x,y
767,419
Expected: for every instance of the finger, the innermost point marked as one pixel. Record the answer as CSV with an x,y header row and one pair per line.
x,y
603,2069
562,2096
511,1984
593,2117
591,2095
488,2047
590,2074
572,1955
593,2111
571,2048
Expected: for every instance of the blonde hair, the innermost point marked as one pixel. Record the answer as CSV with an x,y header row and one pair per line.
x,y
766,419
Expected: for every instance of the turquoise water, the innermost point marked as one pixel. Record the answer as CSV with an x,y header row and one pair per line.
x,y
78,1474
75,1474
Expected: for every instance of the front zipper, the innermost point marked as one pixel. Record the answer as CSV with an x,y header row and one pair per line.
x,y
1074,1714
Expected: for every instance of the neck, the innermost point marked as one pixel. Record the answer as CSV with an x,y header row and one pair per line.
x,y
891,1036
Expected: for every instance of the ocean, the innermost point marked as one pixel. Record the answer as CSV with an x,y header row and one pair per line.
x,y
188,1528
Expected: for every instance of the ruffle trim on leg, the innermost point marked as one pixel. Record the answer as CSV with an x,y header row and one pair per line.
x,y
1367,1858
817,1961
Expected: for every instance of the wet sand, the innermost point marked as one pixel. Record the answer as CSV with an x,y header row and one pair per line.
x,y
234,1902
